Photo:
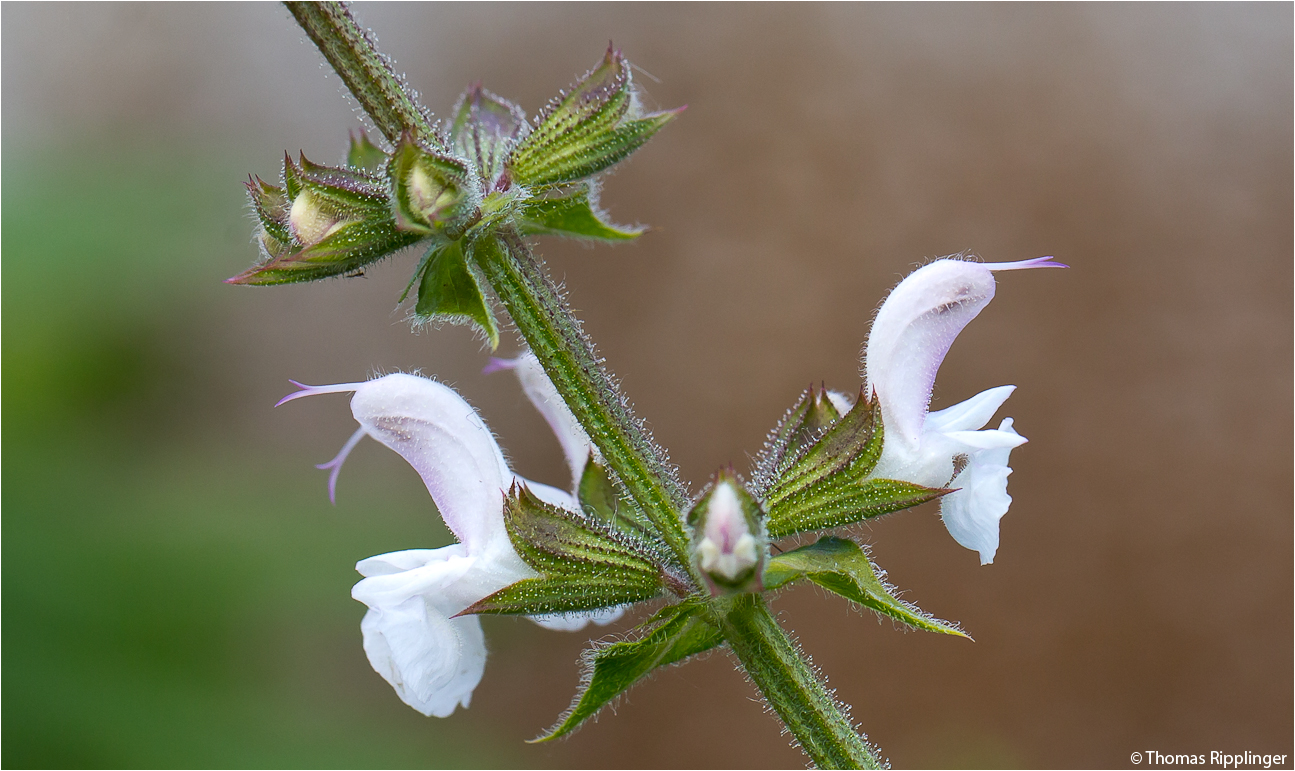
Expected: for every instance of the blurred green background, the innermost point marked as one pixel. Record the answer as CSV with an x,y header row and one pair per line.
x,y
176,585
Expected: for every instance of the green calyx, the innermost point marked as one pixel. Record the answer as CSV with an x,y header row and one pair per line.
x,y
485,129
432,192
594,126
817,472
584,563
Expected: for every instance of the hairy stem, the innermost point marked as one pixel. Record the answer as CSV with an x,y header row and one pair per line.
x,y
554,335
367,73
792,687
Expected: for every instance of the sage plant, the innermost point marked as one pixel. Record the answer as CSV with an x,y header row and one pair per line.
x,y
471,193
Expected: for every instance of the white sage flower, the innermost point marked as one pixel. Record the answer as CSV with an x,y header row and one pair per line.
x,y
413,635
910,336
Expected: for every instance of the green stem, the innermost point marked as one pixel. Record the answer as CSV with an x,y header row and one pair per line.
x,y
367,73
557,340
791,687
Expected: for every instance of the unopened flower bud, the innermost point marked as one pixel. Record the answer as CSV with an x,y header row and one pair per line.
x,y
729,540
323,222
312,219
432,190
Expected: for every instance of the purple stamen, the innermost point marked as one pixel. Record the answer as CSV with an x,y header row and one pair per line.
x,y
1037,262
335,465
496,364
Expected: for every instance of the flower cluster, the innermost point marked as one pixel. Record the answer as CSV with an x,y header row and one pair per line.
x,y
416,632
471,191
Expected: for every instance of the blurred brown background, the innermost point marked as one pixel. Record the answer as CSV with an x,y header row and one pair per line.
x,y
176,586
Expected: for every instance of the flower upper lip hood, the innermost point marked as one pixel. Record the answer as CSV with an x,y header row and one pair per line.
x,y
910,337
413,634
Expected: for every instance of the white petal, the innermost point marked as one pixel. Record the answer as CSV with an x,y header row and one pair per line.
x,y
411,636
574,622
447,443
551,495
840,401
972,512
401,561
971,414
432,661
539,389
911,335
989,439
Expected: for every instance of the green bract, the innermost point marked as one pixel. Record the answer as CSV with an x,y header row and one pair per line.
x,y
431,191
674,634
842,566
450,291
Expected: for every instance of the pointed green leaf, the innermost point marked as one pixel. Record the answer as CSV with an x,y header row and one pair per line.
x,y
828,506
677,633
450,291
573,216
365,155
842,566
